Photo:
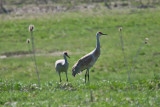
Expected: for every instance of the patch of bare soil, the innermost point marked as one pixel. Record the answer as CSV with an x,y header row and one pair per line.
x,y
32,9
8,54
156,53
19,54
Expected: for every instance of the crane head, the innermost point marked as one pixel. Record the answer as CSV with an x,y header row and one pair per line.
x,y
66,54
75,69
100,33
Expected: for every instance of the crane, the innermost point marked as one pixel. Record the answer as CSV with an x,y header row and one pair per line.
x,y
62,65
87,61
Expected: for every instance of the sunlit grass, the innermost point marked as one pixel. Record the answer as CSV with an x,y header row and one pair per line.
x,y
75,32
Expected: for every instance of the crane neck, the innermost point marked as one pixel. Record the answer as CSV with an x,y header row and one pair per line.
x,y
98,43
65,58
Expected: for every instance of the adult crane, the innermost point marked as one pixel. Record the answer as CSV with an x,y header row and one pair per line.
x,y
87,61
62,65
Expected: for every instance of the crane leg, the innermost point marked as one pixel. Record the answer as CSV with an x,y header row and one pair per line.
x,y
85,76
66,77
60,76
88,75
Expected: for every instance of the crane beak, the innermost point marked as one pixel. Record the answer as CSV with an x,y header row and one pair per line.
x,y
67,56
104,34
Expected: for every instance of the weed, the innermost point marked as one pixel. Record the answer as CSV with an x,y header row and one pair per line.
x,y
124,56
31,27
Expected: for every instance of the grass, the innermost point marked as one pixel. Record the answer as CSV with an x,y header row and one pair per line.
x,y
77,93
76,33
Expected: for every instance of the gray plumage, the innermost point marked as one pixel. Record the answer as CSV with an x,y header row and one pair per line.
x,y
62,65
87,61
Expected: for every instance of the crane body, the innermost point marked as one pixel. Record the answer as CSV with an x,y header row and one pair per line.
x,y
87,61
62,65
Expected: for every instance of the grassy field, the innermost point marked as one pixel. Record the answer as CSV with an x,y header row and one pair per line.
x,y
75,32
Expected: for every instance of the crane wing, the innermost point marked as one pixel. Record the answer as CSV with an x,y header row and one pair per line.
x,y
85,62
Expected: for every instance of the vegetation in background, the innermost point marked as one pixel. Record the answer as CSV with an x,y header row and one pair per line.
x,y
75,32
31,28
10,6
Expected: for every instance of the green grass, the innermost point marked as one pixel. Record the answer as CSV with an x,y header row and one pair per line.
x,y
111,93
76,33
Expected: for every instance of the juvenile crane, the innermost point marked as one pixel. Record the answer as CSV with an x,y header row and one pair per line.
x,y
62,65
87,61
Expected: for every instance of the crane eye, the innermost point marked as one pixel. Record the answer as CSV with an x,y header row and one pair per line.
x,y
100,33
65,53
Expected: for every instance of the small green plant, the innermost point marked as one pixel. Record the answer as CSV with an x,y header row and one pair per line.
x,y
31,27
124,55
134,60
